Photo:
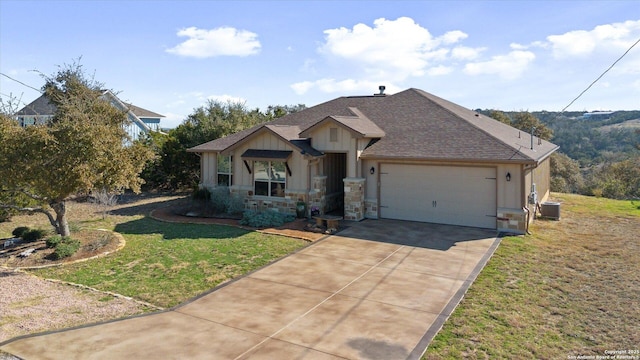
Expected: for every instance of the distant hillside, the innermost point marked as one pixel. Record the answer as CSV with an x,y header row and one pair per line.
x,y
627,125
591,139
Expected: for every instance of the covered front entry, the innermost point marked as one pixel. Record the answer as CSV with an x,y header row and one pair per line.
x,y
335,168
455,195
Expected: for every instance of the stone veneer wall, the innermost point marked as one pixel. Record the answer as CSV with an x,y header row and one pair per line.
x,y
354,207
512,220
371,208
287,204
318,194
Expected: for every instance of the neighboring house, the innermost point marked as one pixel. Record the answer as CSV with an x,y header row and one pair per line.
x,y
408,156
141,121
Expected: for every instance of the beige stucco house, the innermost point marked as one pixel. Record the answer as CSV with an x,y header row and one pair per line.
x,y
409,156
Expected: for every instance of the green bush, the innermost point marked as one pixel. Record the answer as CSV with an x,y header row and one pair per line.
x,y
34,235
53,241
19,231
65,248
265,219
201,194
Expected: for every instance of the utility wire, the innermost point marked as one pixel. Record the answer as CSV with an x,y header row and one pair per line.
x,y
20,82
601,75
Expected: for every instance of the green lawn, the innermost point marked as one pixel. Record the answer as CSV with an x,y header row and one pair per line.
x,y
166,263
571,288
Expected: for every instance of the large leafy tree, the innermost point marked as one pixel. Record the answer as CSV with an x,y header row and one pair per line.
x,y
174,168
82,149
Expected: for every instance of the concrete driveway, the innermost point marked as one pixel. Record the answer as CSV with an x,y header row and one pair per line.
x,y
381,289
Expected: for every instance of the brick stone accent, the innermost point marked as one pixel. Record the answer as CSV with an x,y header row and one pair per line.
x,y
318,194
371,208
512,220
354,207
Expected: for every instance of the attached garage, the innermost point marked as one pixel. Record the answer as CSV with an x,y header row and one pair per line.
x,y
455,195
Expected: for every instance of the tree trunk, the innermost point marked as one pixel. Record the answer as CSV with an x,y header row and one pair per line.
x,y
61,225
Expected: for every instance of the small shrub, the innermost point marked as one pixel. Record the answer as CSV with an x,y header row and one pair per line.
x,y
98,243
265,219
20,230
54,241
34,235
219,199
201,194
235,204
66,248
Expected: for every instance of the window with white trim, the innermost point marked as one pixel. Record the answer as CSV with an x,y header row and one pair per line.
x,y
270,178
224,170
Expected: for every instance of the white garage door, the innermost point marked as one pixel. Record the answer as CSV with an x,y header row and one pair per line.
x,y
455,195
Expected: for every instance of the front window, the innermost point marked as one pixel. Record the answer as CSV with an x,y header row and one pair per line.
x,y
270,178
224,170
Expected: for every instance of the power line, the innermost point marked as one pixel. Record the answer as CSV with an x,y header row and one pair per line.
x,y
601,75
20,82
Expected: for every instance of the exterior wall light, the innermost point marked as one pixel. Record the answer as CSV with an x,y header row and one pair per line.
x,y
508,176
372,170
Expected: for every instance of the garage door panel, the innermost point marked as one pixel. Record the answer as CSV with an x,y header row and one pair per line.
x,y
441,194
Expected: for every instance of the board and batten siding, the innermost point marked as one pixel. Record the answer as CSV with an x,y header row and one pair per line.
x,y
268,141
346,143
209,169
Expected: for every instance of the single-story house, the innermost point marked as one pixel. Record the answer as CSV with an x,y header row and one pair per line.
x,y
141,121
408,156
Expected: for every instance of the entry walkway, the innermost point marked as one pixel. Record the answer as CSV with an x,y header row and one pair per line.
x,y
380,289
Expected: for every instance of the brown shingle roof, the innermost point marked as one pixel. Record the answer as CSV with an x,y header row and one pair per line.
x,y
42,106
416,125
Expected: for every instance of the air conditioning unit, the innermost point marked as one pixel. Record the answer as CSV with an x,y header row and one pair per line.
x,y
550,210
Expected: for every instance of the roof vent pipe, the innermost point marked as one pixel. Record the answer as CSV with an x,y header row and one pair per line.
x,y
532,129
381,88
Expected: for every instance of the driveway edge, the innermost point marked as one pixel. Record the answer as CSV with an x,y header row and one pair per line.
x,y
423,344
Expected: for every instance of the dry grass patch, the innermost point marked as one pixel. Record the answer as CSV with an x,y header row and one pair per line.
x,y
569,289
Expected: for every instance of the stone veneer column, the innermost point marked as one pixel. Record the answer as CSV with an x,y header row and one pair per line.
x,y
354,207
317,195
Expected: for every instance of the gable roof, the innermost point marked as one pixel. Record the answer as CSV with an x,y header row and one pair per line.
x,y
43,107
415,125
40,106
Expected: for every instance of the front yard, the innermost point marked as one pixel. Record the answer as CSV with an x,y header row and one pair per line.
x,y
569,289
162,263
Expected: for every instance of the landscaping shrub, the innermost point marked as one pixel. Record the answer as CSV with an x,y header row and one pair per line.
x,y
19,231
34,235
99,243
54,241
235,204
265,219
66,247
219,197
201,194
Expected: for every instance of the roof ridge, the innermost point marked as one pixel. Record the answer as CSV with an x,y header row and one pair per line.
x,y
458,116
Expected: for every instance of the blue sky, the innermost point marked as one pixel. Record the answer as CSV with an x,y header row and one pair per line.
x,y
171,56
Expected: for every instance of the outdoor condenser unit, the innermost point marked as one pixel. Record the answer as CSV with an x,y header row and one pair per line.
x,y
550,210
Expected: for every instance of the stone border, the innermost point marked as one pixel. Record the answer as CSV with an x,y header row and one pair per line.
x,y
121,244
211,221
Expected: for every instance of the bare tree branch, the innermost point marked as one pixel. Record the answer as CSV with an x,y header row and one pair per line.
x,y
41,210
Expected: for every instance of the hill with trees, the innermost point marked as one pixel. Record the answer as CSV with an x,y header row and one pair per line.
x,y
599,152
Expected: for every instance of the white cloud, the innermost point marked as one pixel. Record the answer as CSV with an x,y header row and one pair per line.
x,y
466,53
221,41
391,48
329,85
609,37
301,87
509,66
